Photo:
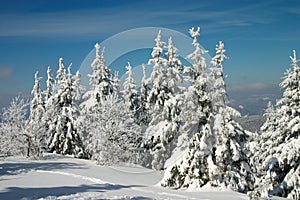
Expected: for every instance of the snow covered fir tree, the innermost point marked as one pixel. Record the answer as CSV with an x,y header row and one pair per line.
x,y
215,154
278,156
163,102
177,120
62,112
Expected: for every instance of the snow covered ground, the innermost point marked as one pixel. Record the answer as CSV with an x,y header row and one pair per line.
x,y
60,177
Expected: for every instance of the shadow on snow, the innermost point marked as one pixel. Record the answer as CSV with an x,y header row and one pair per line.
x,y
35,193
15,168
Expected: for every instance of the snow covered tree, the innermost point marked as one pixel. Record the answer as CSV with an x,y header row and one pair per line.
x,y
171,109
50,83
218,59
192,167
113,135
279,157
232,162
233,165
199,61
156,98
143,117
174,69
130,93
271,117
61,74
218,94
215,155
14,138
159,91
62,112
36,124
290,103
101,80
233,168
164,99
116,83
267,140
77,88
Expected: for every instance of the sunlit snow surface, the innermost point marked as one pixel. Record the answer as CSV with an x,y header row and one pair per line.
x,y
60,177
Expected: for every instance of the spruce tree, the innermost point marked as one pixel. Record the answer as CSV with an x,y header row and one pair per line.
x,y
143,117
215,155
101,79
279,157
191,169
164,99
130,93
36,124
50,83
62,112
232,163
158,93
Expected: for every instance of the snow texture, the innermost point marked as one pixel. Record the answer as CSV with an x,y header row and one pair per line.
x,y
60,177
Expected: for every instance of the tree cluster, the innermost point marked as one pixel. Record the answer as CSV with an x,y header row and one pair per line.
x,y
178,120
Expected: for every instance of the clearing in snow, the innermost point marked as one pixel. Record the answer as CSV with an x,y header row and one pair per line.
x,y
61,177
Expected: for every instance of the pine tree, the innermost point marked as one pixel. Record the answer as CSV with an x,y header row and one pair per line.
x,y
50,84
267,140
215,155
174,69
172,106
156,98
159,91
101,79
218,91
62,113
36,124
164,99
116,83
279,171
130,92
61,74
271,117
77,88
199,62
191,169
233,168
143,117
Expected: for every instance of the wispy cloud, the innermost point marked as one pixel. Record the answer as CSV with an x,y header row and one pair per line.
x,y
248,87
94,21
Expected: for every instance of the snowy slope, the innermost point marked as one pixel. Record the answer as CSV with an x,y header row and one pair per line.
x,y
59,177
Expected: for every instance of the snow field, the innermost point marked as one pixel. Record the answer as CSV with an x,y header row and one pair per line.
x,y
59,177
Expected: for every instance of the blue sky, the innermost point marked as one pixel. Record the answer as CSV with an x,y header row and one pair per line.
x,y
259,36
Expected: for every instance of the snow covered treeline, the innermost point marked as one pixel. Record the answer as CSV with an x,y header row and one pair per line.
x,y
178,120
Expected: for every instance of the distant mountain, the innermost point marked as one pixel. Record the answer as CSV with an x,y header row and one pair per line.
x,y
251,122
253,101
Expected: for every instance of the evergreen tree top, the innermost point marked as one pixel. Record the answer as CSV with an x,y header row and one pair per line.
x,y
294,60
218,59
